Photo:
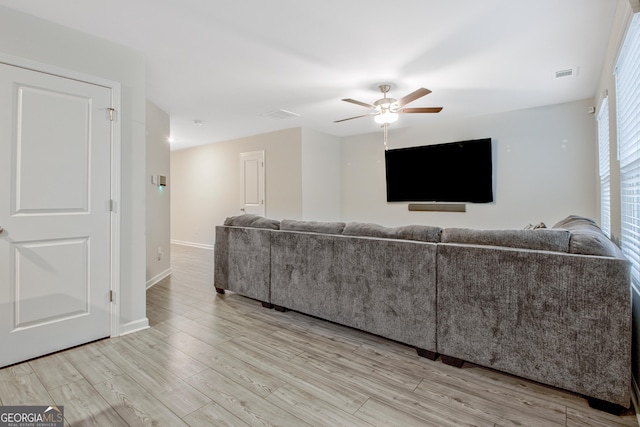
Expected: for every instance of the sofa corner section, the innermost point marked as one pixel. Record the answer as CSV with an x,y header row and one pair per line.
x,y
557,318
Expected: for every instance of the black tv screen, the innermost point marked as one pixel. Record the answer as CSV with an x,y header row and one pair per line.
x,y
452,172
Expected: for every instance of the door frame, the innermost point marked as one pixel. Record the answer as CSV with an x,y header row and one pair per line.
x,y
116,165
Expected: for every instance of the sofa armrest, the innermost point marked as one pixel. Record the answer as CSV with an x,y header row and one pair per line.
x,y
242,261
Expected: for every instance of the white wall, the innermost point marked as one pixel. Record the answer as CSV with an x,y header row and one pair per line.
x,y
544,169
31,38
320,176
158,198
205,182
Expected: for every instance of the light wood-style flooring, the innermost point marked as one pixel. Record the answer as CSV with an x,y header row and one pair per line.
x,y
224,360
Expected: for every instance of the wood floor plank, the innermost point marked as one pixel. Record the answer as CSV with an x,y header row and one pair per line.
x,y
364,378
157,314
484,406
55,370
259,381
316,344
361,338
136,405
83,406
443,415
464,379
380,414
530,388
230,323
241,402
19,385
168,304
314,411
590,417
167,387
165,328
377,368
198,330
213,415
167,295
310,380
94,366
151,344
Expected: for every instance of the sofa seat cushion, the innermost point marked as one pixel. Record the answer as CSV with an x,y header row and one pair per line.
x,y
252,221
312,226
587,238
541,239
421,233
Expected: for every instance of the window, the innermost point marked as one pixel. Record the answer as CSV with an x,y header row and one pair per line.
x,y
628,112
605,171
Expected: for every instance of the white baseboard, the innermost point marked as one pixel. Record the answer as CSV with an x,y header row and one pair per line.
x,y
192,244
158,278
135,326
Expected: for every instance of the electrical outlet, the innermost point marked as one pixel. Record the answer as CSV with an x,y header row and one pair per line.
x,y
159,253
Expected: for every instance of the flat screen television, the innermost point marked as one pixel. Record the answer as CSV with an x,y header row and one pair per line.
x,y
453,172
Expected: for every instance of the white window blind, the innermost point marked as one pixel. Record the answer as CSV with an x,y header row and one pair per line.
x,y
604,166
628,112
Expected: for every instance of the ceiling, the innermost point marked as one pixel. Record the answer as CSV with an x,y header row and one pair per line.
x,y
228,63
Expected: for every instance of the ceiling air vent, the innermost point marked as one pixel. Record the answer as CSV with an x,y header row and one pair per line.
x,y
280,115
569,72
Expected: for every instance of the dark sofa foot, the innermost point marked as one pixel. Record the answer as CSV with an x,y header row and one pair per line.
x,y
280,308
267,305
605,406
220,290
431,355
452,361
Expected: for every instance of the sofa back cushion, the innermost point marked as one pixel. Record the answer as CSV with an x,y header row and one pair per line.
x,y
587,238
252,221
540,239
421,233
312,226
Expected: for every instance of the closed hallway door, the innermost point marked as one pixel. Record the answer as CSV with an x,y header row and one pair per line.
x,y
55,191
252,185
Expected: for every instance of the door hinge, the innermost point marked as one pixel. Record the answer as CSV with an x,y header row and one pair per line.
x,y
112,114
110,296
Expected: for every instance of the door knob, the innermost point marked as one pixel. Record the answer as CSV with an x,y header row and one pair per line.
x,y
1,229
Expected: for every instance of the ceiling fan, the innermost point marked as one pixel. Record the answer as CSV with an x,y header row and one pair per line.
x,y
386,110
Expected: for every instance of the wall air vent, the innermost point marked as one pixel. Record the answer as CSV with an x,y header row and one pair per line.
x,y
569,72
280,115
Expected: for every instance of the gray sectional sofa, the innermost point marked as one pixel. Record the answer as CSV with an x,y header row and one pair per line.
x,y
550,305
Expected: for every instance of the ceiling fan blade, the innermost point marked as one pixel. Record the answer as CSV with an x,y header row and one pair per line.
x,y
413,96
363,104
421,110
356,117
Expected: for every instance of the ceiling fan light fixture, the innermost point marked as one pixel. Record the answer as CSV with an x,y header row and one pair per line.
x,y
386,117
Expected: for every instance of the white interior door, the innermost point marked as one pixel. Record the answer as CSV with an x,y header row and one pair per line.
x,y
252,194
55,142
